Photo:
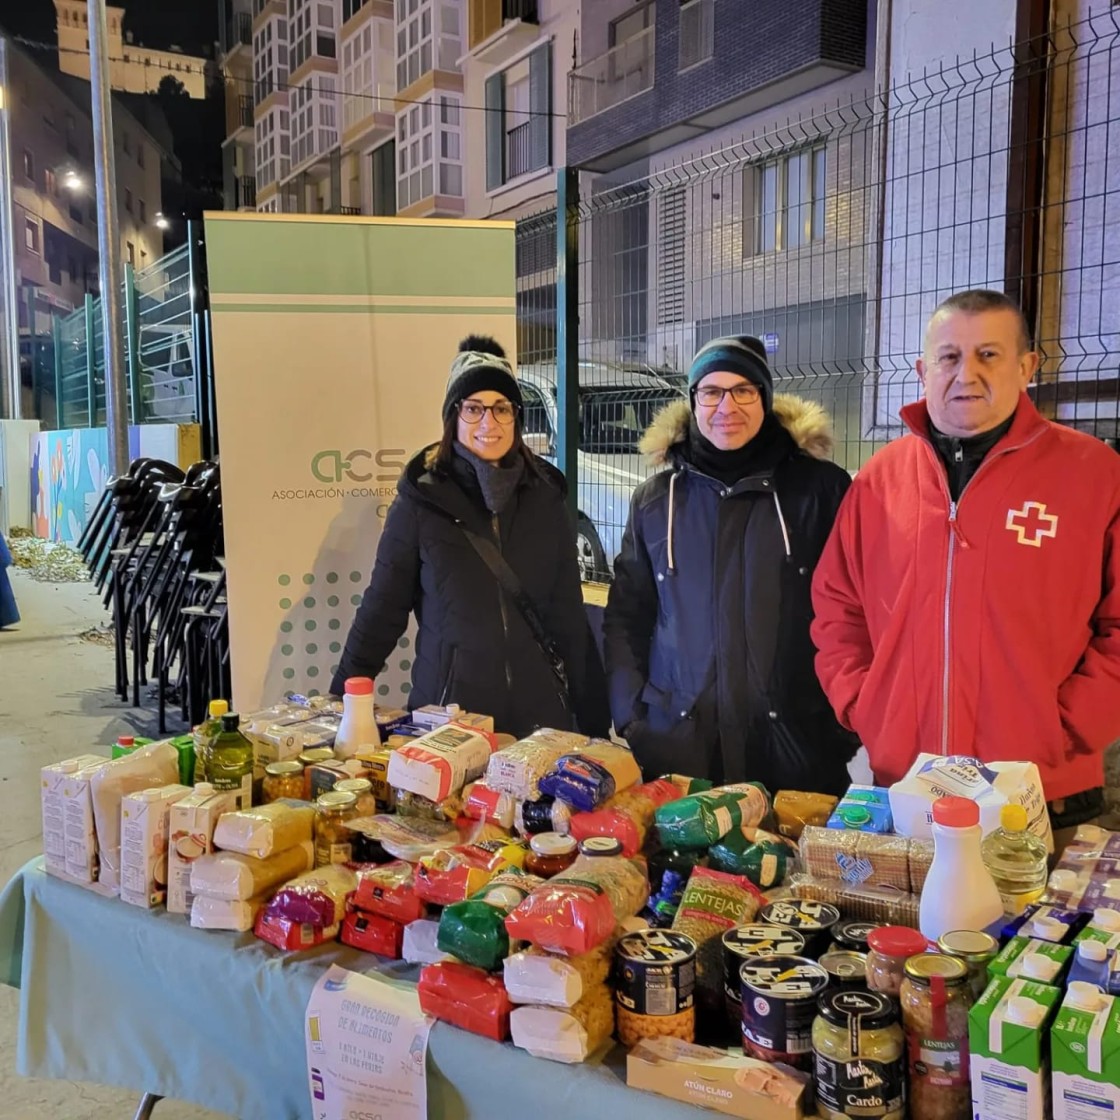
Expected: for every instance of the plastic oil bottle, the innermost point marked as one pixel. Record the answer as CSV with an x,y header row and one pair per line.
x,y
359,724
230,765
205,734
1017,860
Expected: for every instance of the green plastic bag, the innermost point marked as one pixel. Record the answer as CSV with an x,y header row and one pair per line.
x,y
703,819
475,930
757,855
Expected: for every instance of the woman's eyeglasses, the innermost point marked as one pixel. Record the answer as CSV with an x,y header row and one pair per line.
x,y
505,412
711,396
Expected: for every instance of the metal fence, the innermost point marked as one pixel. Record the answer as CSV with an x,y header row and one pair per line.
x,y
160,350
833,236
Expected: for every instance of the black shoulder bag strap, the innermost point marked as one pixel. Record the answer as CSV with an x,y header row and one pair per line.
x,y
508,581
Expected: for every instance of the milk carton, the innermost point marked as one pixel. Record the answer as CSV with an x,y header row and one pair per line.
x,y
1007,1038
990,784
190,828
82,857
52,780
144,820
1085,1054
1030,958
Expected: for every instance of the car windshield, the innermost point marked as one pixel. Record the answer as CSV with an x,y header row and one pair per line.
x,y
613,420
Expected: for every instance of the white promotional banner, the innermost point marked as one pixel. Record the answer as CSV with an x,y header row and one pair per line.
x,y
333,338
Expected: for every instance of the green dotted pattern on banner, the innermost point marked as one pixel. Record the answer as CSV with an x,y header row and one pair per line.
x,y
295,650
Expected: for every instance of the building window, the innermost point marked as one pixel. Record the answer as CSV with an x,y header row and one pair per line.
x,y
786,197
429,37
351,8
143,259
140,153
367,86
127,143
31,235
519,119
314,127
429,150
131,252
72,268
128,200
384,180
28,165
629,25
143,211
50,183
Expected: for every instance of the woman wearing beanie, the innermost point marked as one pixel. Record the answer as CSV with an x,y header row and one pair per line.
x,y
471,512
709,660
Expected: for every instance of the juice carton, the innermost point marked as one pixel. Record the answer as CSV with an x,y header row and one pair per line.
x,y
1008,1038
52,781
1085,1054
376,769
144,821
82,858
1031,959
1047,923
191,834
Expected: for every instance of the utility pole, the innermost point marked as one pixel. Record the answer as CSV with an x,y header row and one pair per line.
x,y
108,242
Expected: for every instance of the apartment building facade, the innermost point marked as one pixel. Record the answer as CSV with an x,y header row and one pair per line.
x,y
133,68
54,209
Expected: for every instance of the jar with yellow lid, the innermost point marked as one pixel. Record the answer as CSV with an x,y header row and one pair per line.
x,y
977,950
333,840
936,997
362,789
857,1043
282,779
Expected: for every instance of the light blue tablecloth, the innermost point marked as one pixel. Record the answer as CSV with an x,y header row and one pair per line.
x,y
121,996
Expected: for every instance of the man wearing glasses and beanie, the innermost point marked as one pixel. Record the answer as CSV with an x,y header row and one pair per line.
x,y
709,660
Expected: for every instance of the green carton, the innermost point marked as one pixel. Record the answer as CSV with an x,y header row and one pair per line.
x,y
1085,1053
1025,958
1009,1045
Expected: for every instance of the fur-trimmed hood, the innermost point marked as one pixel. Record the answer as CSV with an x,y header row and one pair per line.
x,y
807,422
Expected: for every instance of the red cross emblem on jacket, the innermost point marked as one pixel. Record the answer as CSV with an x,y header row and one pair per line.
x,y
1032,523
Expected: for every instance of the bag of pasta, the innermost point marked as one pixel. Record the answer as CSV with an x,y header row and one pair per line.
x,y
586,779
703,819
627,816
568,1034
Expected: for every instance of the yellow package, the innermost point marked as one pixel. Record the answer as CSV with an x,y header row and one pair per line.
x,y
795,810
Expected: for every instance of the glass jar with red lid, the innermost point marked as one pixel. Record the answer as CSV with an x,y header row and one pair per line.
x,y
889,948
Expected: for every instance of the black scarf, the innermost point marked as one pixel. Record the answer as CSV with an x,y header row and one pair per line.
x,y
771,444
497,482
962,456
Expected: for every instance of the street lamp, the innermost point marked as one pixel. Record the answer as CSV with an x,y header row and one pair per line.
x,y
73,181
162,222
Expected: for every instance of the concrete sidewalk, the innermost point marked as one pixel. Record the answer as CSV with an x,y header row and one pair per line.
x,y
56,700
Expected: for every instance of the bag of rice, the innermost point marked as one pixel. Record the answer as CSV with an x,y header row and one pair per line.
x,y
234,877
466,997
714,902
627,816
518,768
216,913
316,897
703,819
389,891
586,779
568,1034
265,829
576,911
474,930
534,976
481,803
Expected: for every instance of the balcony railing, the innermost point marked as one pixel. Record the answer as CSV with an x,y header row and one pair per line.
x,y
623,72
519,150
245,192
697,33
237,31
352,211
239,110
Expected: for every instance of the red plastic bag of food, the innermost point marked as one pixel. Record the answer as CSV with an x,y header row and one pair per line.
x,y
627,816
466,997
373,934
285,934
454,874
389,891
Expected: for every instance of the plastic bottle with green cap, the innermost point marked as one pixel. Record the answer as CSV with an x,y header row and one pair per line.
x,y
1017,860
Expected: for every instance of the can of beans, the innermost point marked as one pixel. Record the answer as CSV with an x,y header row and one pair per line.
x,y
847,969
852,935
747,942
655,980
779,997
813,920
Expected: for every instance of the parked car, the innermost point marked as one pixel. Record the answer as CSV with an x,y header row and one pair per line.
x,y
615,407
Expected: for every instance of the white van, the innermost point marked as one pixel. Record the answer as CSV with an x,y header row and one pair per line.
x,y
615,408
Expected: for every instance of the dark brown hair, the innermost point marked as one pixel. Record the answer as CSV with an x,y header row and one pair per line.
x,y
974,301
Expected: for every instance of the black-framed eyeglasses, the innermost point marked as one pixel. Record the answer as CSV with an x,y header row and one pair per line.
x,y
711,396
505,412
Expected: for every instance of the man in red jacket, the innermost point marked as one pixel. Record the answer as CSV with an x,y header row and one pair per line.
x,y
968,599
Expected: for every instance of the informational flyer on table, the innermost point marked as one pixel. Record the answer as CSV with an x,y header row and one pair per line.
x,y
367,1042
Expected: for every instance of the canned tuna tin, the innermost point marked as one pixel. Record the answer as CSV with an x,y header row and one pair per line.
x,y
813,920
846,969
852,935
779,1004
746,943
655,980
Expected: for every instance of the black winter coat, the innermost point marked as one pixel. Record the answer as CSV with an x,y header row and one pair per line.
x,y
474,647
709,659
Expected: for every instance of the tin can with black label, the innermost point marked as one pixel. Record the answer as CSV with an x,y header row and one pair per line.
x,y
779,997
813,920
748,942
655,980
852,935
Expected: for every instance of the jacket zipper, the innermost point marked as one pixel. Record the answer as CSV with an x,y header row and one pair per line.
x,y
954,533
502,606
